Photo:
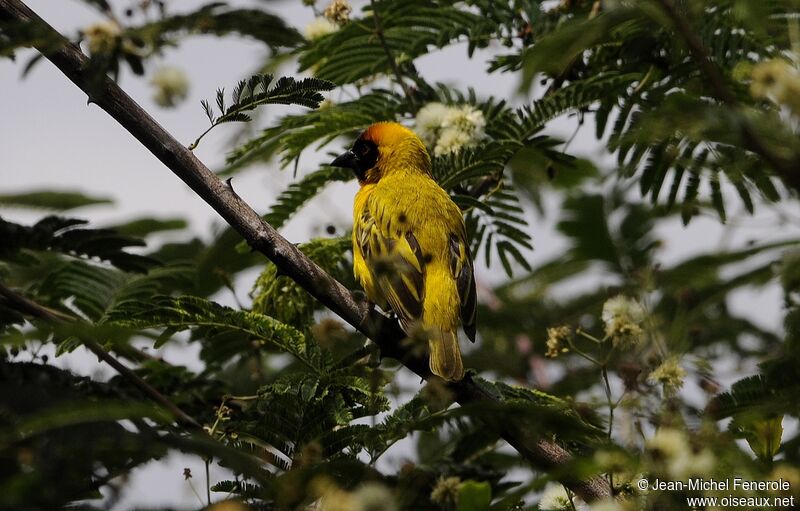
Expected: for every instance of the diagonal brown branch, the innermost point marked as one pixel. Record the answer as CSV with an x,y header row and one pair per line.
x,y
542,453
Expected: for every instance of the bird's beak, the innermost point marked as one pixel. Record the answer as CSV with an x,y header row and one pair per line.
x,y
347,160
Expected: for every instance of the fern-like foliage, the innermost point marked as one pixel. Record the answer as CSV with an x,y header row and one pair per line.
x,y
53,200
414,415
258,91
66,235
214,323
95,291
294,197
218,19
663,131
294,133
282,298
308,419
408,29
498,227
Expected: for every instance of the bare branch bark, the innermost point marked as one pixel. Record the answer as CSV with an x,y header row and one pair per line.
x,y
543,454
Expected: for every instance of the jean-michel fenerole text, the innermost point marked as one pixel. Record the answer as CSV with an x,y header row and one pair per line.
x,y
731,484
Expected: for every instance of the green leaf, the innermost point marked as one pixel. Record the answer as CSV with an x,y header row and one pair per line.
x,y
64,235
47,199
282,298
216,18
260,90
294,133
142,227
96,290
474,496
409,29
555,52
79,413
213,321
294,197
763,435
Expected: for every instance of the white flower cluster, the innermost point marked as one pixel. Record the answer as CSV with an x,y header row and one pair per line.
x,y
171,86
448,129
778,81
338,11
102,37
607,504
669,374
555,498
319,28
622,317
367,497
335,16
671,447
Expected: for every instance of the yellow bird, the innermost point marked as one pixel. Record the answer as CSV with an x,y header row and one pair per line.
x,y
410,247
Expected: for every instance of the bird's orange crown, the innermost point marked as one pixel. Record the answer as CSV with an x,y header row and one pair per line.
x,y
383,148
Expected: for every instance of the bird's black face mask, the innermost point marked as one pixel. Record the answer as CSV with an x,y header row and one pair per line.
x,y
359,159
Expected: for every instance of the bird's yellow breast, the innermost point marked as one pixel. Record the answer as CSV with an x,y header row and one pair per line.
x,y
408,201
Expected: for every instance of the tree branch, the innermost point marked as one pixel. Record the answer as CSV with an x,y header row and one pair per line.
x,y
31,308
542,453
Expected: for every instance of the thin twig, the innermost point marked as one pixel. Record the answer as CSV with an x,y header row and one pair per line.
x,y
208,483
389,55
611,405
27,306
543,453
699,53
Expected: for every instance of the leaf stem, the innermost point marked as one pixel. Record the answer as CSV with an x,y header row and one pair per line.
x,y
208,483
611,406
389,55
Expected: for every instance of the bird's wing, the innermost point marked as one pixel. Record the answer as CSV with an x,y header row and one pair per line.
x,y
397,264
461,269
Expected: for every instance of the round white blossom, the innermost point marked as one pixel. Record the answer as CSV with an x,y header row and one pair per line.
x,y
338,11
448,129
465,118
680,461
554,498
429,122
451,141
669,374
319,28
557,339
777,80
171,86
608,504
374,497
668,442
102,37
445,492
622,317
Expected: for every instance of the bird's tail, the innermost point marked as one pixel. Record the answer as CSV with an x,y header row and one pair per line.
x,y
445,356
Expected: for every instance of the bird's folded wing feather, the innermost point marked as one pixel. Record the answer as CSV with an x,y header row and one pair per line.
x,y
397,264
461,269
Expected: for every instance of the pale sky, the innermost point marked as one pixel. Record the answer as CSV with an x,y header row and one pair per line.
x,y
50,138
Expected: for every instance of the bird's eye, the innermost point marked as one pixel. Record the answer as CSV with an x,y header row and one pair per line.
x,y
366,152
362,148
